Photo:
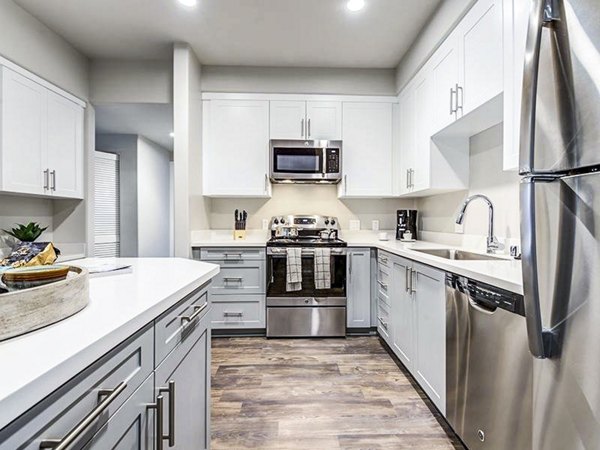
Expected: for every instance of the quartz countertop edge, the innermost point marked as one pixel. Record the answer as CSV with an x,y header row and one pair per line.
x,y
37,363
503,274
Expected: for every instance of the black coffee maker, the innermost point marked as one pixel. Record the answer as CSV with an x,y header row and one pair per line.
x,y
406,220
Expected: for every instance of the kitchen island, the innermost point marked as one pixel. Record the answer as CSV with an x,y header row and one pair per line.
x,y
146,314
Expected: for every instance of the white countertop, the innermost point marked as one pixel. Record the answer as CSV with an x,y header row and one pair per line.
x,y
37,363
503,274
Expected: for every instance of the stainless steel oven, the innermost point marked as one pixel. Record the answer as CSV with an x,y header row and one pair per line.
x,y
308,311
298,161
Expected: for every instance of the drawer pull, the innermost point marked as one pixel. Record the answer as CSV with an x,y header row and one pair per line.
x,y
383,260
159,407
198,310
233,280
81,427
233,256
170,389
383,324
233,314
382,284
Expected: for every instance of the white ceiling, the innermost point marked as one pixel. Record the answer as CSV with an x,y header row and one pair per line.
x,y
153,121
295,33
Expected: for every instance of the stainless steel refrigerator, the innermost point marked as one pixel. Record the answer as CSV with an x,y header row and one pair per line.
x,y
560,220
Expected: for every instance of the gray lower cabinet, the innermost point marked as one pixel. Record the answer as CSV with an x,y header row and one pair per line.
x,y
238,291
183,379
113,404
412,315
359,288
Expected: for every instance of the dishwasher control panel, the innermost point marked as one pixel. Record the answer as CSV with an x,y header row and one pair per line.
x,y
486,295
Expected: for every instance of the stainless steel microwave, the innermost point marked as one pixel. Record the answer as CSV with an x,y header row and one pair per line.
x,y
299,161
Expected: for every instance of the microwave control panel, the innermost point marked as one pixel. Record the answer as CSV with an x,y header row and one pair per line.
x,y
332,158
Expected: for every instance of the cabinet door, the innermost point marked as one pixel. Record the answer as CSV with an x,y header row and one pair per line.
x,y
65,147
407,136
23,134
420,178
288,119
480,35
131,426
188,366
236,148
430,332
402,312
324,120
359,288
367,151
444,72
516,15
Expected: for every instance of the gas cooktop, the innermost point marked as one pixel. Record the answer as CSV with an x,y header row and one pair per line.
x,y
305,231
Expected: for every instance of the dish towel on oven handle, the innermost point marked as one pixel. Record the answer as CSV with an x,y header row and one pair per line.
x,y
293,279
322,268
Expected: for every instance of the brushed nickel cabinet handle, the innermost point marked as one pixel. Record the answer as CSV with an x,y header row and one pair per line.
x,y
383,323
158,430
233,314
308,132
198,310
452,109
81,427
407,278
46,179
382,284
170,389
302,128
232,279
53,178
413,281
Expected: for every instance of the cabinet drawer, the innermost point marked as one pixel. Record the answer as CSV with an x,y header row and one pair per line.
x,y
232,255
383,320
247,277
383,297
246,311
119,373
174,325
384,259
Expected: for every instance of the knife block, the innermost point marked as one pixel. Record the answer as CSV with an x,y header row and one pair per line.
x,y
239,235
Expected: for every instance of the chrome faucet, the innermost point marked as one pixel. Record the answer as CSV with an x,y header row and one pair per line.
x,y
492,242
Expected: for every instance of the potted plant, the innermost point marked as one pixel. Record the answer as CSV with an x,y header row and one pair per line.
x,y
27,251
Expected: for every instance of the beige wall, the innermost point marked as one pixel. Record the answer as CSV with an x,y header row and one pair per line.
x,y
447,15
131,81
29,43
438,213
301,80
307,199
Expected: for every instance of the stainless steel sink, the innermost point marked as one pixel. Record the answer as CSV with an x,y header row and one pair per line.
x,y
459,255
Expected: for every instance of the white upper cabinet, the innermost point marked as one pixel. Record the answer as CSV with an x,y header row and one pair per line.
x,y
236,148
421,170
408,137
324,120
367,150
444,73
516,20
481,58
288,119
42,143
65,147
312,120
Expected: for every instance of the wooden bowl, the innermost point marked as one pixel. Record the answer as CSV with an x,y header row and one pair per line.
x,y
30,309
30,277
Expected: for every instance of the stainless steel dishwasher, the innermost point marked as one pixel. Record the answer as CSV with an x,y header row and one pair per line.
x,y
488,366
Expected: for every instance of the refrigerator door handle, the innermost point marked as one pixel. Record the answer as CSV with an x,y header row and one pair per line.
x,y
539,339
530,80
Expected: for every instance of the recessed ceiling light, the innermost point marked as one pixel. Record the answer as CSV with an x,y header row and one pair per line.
x,y
188,3
354,5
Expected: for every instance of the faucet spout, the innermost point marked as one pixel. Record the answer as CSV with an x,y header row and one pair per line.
x,y
492,241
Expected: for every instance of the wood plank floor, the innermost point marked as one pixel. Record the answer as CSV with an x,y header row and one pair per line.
x,y
317,394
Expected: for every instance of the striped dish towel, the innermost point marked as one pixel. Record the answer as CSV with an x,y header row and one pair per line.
x,y
293,281
322,268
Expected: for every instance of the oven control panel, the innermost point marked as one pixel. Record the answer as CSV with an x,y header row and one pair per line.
x,y
305,222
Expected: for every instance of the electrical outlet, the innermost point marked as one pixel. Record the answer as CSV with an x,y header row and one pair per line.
x,y
354,225
459,228
375,225
265,224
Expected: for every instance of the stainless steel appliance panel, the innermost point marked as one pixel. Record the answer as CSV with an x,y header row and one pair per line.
x,y
561,87
488,375
306,321
561,261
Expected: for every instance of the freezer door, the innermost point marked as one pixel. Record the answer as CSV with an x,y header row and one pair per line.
x,y
561,87
560,232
